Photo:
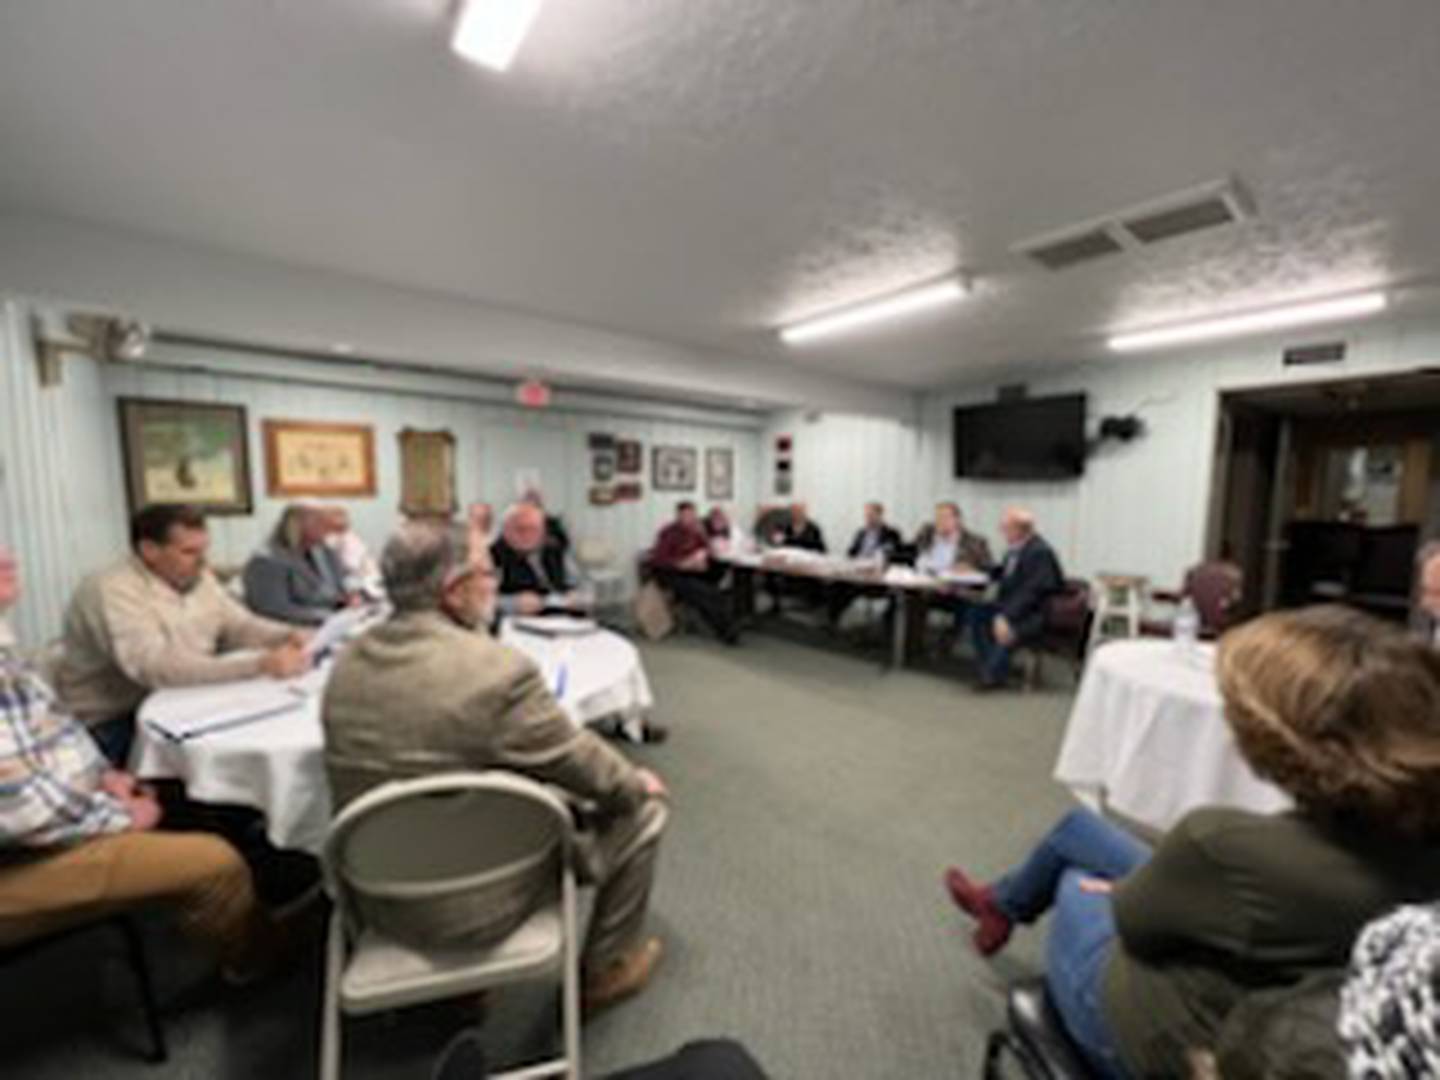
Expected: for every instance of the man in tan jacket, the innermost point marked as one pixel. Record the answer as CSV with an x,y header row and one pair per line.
x,y
430,691
159,618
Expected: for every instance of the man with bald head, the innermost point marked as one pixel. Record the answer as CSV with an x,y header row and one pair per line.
x,y
535,573
429,691
1029,575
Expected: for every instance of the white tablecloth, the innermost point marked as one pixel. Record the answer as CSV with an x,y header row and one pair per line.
x,y
276,765
1147,737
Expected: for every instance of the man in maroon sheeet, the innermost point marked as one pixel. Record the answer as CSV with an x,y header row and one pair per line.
x,y
681,560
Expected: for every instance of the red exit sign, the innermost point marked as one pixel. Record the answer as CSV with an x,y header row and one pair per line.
x,y
533,394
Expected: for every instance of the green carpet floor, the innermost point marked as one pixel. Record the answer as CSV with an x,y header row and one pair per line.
x,y
816,802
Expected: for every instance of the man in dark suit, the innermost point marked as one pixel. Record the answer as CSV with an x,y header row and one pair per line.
x,y
800,531
874,539
1029,575
535,572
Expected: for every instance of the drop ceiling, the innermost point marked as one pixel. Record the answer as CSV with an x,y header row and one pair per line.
x,y
700,172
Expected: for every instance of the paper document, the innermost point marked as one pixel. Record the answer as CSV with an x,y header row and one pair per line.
x,y
335,630
188,713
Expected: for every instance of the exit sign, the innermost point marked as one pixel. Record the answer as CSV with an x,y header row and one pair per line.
x,y
533,394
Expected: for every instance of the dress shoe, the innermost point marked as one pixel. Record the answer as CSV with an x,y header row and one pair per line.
x,y
992,926
623,977
654,733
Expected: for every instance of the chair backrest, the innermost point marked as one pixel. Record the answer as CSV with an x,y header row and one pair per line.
x,y
1215,589
458,856
1067,617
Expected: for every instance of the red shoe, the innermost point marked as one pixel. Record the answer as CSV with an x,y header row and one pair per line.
x,y
993,926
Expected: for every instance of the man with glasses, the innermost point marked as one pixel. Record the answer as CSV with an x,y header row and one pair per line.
x,y
430,691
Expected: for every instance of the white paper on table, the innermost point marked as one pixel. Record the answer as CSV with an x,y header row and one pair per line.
x,y
198,710
336,630
554,625
965,577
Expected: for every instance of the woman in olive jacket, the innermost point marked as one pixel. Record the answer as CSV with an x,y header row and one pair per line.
x,y
1149,951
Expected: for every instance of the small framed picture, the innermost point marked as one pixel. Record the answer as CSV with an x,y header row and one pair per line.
x,y
674,468
629,456
303,457
719,473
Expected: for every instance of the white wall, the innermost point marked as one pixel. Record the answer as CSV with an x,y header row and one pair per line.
x,y
217,294
1140,508
62,501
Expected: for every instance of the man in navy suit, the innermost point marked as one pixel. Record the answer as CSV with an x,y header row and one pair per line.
x,y
1029,575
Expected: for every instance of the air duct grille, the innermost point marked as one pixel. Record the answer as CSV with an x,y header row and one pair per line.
x,y
1072,250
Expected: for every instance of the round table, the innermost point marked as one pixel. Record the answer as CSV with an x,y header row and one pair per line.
x,y
1147,737
276,763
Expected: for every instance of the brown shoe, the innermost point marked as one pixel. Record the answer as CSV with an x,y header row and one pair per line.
x,y
623,977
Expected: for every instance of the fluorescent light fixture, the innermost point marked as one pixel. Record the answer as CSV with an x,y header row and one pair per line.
x,y
1345,307
892,306
489,32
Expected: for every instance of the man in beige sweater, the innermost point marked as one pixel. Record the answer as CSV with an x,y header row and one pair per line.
x,y
430,691
156,619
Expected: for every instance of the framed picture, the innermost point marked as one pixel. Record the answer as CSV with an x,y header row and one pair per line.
x,y
602,495
628,491
629,456
673,468
186,452
303,457
602,467
719,473
427,473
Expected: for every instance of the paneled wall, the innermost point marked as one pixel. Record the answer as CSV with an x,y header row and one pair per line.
x,y
62,503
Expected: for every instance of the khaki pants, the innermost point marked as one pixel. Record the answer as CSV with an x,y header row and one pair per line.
x,y
618,856
201,877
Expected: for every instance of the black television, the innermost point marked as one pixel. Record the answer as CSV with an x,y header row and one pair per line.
x,y
1024,439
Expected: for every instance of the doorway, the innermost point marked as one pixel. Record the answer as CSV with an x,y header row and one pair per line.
x,y
1326,490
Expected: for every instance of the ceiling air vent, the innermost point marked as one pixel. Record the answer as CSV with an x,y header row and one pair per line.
x,y
1199,208
1057,253
1206,206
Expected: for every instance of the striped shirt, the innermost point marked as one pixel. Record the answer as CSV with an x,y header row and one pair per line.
x,y
50,768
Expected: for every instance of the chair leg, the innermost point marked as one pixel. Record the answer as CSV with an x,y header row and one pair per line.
x,y
570,979
330,1019
140,967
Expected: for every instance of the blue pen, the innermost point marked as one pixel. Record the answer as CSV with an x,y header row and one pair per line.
x,y
560,677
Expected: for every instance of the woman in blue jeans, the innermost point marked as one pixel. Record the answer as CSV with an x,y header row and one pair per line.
x,y
1149,951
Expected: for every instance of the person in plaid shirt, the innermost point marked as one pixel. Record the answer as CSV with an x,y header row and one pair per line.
x,y
78,839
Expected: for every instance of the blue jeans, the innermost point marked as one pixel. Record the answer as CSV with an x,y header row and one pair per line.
x,y
1083,845
993,658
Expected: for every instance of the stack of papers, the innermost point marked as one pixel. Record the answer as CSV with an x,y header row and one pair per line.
x,y
180,715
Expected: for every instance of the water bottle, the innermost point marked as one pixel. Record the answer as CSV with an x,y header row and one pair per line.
x,y
1186,630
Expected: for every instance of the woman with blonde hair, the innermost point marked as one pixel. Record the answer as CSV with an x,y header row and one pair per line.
x,y
296,577
1150,951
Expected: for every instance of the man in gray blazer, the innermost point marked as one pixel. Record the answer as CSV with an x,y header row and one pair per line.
x,y
297,577
430,691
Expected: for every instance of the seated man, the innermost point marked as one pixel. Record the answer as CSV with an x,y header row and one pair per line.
x,y
159,619
296,577
1029,575
362,573
430,691
947,546
681,560
875,539
536,574
77,839
800,531
555,531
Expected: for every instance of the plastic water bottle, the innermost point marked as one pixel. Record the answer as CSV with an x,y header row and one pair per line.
x,y
1186,630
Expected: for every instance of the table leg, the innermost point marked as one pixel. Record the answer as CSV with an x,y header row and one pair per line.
x,y
901,601
742,581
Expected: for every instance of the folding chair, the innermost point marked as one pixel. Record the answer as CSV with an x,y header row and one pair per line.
x,y
451,847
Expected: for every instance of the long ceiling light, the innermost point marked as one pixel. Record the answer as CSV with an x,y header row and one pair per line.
x,y
892,306
489,32
1345,307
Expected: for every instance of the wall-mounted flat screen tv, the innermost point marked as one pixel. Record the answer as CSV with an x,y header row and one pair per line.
x,y
1024,439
